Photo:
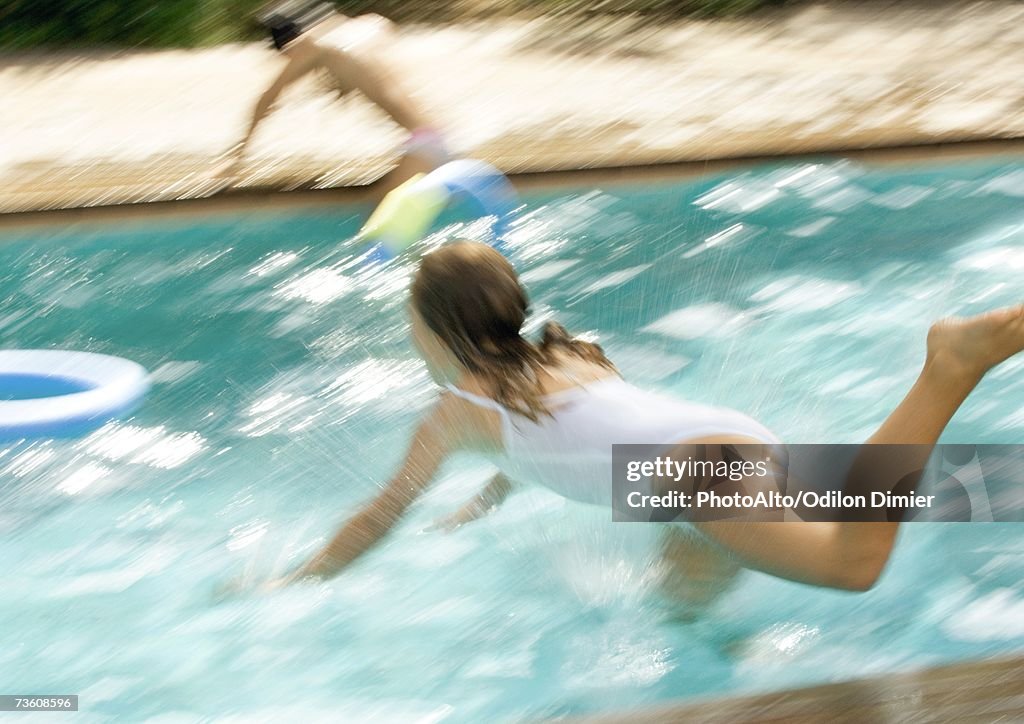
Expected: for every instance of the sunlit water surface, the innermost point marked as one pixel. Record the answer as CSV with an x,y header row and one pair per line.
x,y
285,390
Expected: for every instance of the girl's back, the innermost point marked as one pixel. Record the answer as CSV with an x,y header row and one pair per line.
x,y
570,450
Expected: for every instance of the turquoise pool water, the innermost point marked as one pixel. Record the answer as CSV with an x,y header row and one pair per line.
x,y
285,389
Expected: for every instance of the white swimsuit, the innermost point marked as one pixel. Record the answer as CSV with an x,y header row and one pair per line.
x,y
570,452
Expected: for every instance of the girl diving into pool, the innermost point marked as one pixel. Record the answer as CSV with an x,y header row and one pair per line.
x,y
550,413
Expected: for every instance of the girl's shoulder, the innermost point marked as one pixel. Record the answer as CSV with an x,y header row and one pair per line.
x,y
471,384
572,372
473,415
567,372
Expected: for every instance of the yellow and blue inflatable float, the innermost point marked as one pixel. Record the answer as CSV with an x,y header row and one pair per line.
x,y
407,213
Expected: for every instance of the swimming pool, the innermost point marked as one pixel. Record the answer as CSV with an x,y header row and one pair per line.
x,y
285,389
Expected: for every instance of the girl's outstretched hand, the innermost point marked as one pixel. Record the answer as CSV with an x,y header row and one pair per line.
x,y
480,505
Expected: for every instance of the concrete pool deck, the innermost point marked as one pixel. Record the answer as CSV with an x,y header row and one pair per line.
x,y
530,96
976,691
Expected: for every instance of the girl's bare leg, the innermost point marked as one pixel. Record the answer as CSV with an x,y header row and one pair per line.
x,y
853,555
696,571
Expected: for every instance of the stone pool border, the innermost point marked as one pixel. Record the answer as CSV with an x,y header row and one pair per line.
x,y
269,198
988,690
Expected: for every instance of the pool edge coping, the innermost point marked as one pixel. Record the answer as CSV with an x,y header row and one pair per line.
x,y
278,197
883,696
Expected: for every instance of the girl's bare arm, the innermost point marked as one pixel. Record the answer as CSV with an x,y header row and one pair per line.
x,y
436,437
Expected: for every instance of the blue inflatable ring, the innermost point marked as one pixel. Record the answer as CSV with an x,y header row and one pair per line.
x,y
54,393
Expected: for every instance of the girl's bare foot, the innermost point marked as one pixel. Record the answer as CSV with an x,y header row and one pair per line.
x,y
972,346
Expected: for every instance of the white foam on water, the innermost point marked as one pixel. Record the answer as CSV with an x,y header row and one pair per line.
x,y
990,238
14,321
985,293
548,270
612,572
318,286
1011,370
798,294
735,234
615,279
822,180
336,343
148,516
82,478
116,581
74,295
110,688
174,371
543,233
978,411
439,551
270,413
297,400
154,446
171,450
789,177
636,361
700,320
844,382
176,717
274,263
875,388
393,384
778,642
289,606
1000,258
615,226
1008,184
617,657
116,442
246,535
902,198
150,272
454,612
996,616
813,228
292,322
369,711
507,665
843,200
27,462
1014,420
739,196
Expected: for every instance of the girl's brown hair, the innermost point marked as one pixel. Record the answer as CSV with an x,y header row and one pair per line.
x,y
470,296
